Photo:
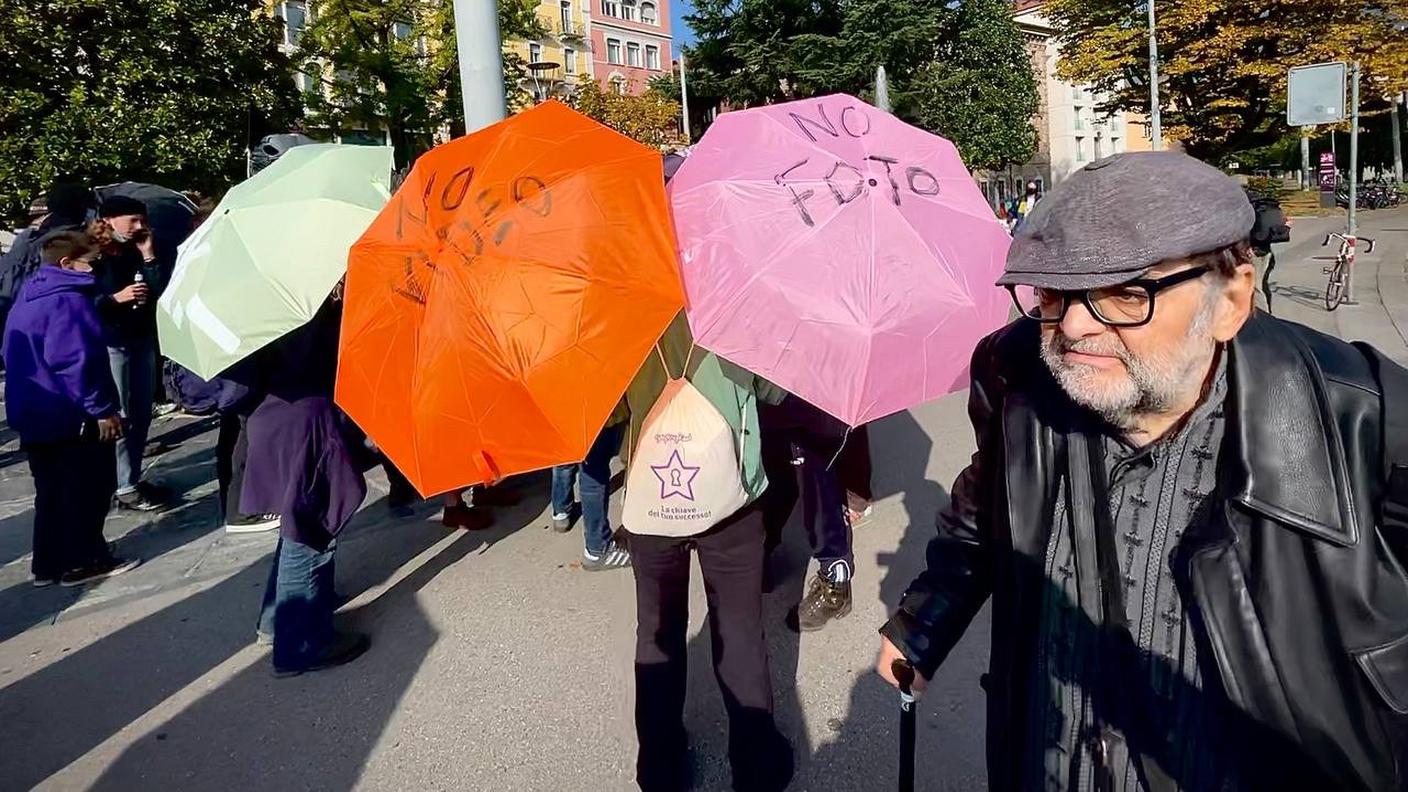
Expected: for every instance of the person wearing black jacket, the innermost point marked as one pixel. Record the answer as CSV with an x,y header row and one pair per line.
x,y
1181,508
132,278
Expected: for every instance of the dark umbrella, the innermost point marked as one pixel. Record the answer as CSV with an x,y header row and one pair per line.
x,y
904,674
168,211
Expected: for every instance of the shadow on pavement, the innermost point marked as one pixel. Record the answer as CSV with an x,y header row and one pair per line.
x,y
863,754
57,714
311,732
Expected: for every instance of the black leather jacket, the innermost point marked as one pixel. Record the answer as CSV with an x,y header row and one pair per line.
x,y
1302,598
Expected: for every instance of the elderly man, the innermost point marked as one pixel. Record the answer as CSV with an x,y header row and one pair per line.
x,y
1176,508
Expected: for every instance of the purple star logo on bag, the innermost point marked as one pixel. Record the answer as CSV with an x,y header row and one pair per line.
x,y
676,478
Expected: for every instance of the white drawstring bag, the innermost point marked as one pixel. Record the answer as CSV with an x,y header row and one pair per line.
x,y
685,474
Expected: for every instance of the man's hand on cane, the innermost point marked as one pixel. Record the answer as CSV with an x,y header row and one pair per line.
x,y
884,666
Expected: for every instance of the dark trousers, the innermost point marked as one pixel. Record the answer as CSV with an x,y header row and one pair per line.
x,y
731,558
592,477
854,469
823,499
74,482
299,603
231,448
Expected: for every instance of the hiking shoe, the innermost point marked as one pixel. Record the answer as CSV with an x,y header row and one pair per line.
x,y
100,570
562,523
44,582
615,556
466,518
253,523
825,601
344,648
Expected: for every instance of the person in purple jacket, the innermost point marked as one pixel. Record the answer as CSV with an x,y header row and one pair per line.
x,y
60,398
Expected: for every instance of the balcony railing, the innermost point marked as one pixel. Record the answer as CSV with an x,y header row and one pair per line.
x,y
567,30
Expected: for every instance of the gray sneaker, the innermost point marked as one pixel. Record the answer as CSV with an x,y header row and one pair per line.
x,y
562,523
615,556
252,523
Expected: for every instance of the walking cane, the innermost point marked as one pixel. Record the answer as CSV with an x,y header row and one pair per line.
x,y
904,674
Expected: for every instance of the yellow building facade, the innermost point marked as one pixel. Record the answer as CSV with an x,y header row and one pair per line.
x,y
562,57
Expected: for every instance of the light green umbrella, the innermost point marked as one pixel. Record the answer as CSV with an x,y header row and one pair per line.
x,y
267,258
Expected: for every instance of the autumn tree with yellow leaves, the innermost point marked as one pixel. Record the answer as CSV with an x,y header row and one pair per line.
x,y
1223,63
651,118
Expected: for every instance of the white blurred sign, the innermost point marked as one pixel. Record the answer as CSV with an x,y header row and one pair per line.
x,y
1315,94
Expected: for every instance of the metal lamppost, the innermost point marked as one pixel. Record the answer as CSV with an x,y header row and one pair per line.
x,y
481,63
1156,129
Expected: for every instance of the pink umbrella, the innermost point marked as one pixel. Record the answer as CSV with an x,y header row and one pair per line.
x,y
838,252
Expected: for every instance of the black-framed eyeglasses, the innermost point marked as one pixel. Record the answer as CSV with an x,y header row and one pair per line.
x,y
1129,304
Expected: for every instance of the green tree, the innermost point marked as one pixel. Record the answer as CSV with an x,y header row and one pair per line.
x,y
979,91
746,50
394,64
1224,62
960,70
171,92
368,65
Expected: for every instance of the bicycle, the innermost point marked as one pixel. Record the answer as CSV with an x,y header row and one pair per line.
x,y
1344,262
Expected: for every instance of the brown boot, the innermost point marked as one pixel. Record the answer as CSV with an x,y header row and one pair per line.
x,y
825,601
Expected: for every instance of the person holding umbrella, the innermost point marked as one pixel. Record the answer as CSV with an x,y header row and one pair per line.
x,y
302,466
731,558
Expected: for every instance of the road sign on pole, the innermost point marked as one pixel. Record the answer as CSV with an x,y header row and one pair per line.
x,y
1315,94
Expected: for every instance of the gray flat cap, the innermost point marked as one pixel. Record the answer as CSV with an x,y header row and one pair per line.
x,y
1115,219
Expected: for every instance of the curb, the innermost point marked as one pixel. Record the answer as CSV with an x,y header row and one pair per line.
x,y
1393,293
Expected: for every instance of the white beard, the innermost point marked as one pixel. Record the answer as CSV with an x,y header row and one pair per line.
x,y
1149,386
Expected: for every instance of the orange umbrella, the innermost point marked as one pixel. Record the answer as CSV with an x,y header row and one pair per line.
x,y
499,306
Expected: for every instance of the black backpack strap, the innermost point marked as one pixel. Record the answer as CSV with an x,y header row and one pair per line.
x,y
1393,385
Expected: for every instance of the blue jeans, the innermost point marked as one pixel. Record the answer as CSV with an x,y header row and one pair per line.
x,y
594,485
134,372
298,603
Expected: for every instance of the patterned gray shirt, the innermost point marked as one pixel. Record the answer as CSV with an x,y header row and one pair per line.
x,y
1157,494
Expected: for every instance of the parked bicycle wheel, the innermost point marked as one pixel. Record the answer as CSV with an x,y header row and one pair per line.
x,y
1334,290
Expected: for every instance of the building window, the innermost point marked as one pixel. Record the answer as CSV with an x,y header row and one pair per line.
x,y
1078,123
628,10
565,16
569,60
1080,149
613,51
1099,149
535,53
648,14
294,13
401,30
652,58
611,8
303,81
633,54
618,84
